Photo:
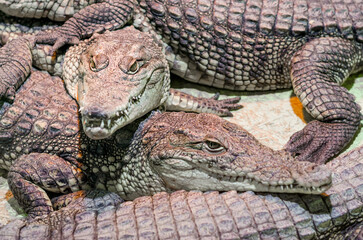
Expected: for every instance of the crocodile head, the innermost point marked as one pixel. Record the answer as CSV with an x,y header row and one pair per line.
x,y
117,77
205,152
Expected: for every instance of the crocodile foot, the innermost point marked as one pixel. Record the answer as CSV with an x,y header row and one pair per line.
x,y
56,38
7,92
319,141
223,106
180,101
15,62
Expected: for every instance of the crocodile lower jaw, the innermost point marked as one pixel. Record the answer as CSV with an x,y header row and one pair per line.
x,y
212,181
248,184
245,182
102,128
174,171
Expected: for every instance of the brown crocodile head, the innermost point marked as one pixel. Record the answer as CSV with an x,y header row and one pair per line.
x,y
205,152
116,78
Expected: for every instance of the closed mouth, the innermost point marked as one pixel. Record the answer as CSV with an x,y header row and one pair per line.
x,y
99,128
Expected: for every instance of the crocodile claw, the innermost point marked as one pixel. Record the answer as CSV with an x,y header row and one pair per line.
x,y
55,38
223,107
179,101
220,107
319,141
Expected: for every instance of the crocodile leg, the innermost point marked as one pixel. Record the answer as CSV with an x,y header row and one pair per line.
x,y
317,71
88,199
105,15
179,101
15,62
32,173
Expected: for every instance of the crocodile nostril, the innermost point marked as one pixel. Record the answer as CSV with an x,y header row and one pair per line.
x,y
94,112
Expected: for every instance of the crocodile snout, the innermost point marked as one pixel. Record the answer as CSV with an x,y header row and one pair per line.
x,y
94,112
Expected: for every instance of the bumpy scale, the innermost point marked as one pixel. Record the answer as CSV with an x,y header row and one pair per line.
x,y
126,69
44,148
310,45
197,215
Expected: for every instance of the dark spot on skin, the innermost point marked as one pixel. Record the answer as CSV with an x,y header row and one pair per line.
x,y
223,167
179,131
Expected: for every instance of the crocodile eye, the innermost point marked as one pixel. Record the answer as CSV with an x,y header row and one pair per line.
x,y
98,62
92,64
214,147
134,68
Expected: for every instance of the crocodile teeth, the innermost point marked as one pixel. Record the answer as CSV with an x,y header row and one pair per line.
x,y
102,124
108,122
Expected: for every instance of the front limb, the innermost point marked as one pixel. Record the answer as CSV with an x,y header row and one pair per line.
x,y
15,66
34,173
105,15
179,101
317,71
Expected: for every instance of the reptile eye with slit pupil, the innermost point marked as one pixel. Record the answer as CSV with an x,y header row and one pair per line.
x,y
92,64
213,146
98,62
134,68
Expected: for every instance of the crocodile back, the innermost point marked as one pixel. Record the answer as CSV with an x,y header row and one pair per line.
x,y
247,44
252,17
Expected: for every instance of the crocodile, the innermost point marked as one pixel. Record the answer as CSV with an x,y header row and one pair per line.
x,y
309,45
21,26
197,215
108,59
44,148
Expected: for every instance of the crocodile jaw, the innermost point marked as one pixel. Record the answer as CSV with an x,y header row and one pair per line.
x,y
175,171
100,128
136,106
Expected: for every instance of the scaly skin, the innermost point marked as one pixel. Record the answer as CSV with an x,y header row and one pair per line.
x,y
10,26
54,10
126,69
310,45
196,215
43,147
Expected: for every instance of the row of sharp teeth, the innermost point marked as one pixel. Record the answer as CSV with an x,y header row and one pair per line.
x,y
282,187
136,98
119,114
287,187
100,123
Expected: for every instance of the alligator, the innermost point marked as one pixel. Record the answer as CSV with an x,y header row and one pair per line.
x,y
126,95
44,148
197,215
254,45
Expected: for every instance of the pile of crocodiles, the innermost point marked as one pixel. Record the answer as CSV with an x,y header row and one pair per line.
x,y
312,46
166,149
